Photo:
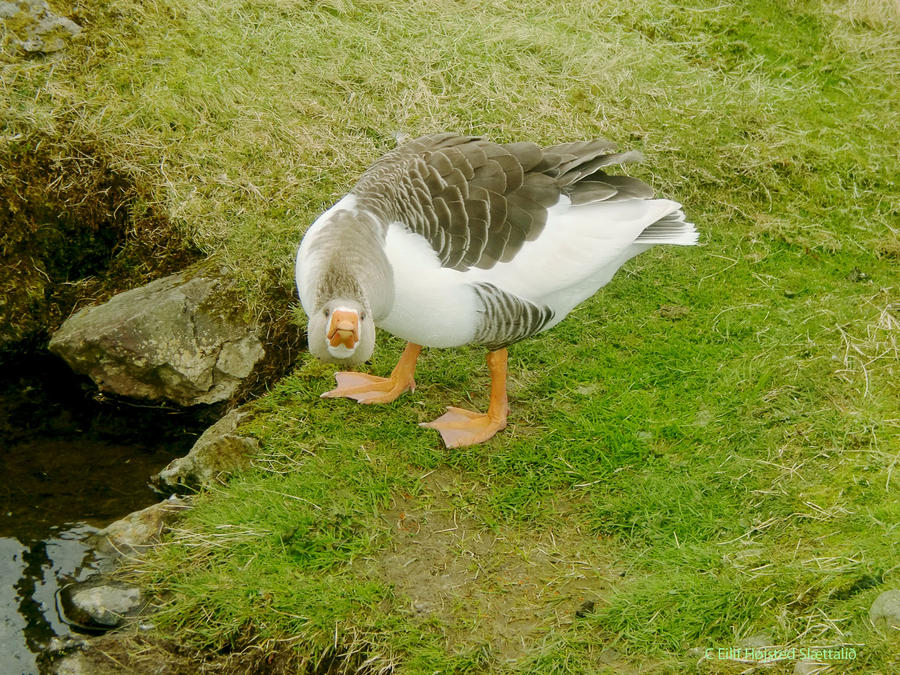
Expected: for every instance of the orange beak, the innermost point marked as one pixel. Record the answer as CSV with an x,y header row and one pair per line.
x,y
343,329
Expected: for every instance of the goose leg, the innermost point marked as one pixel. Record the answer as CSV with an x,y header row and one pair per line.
x,y
460,427
372,389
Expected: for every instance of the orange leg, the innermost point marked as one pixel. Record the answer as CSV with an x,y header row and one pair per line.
x,y
460,427
371,389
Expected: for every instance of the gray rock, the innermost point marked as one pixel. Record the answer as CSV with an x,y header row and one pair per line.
x,y
44,31
885,611
175,339
49,34
100,604
64,644
74,664
218,452
8,10
94,662
50,23
139,530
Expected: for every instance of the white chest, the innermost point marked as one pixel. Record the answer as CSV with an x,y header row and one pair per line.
x,y
433,306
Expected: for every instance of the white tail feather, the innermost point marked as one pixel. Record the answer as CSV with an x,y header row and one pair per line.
x,y
672,229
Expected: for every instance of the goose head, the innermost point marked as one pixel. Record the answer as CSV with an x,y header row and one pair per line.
x,y
342,331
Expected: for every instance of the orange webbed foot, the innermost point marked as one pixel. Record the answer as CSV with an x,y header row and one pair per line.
x,y
364,388
459,427
373,389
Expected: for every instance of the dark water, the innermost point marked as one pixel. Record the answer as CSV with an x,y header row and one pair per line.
x,y
69,465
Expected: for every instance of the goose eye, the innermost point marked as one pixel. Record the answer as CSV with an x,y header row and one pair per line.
x,y
362,317
327,312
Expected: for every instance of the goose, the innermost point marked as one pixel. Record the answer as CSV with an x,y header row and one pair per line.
x,y
453,240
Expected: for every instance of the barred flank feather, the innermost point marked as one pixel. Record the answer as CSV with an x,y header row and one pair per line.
x,y
507,318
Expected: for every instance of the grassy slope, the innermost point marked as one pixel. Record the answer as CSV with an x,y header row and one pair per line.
x,y
712,438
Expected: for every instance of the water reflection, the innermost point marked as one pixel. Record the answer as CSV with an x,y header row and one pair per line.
x,y
68,466
16,657
30,574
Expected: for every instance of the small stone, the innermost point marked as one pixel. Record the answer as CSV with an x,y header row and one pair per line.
x,y
99,604
60,645
35,7
61,23
8,10
74,664
42,30
216,454
885,611
139,530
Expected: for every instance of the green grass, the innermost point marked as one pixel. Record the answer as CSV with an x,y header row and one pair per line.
x,y
707,449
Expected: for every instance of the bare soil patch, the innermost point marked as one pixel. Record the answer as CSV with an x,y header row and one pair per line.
x,y
499,587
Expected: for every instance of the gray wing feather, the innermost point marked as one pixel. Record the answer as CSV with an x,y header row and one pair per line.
x,y
477,202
